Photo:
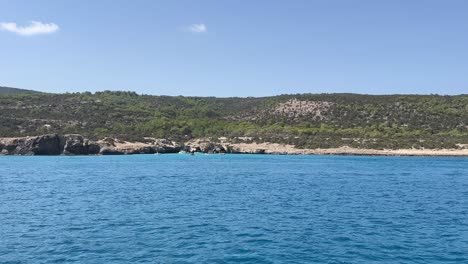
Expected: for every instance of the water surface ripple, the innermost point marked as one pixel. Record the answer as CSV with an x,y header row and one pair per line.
x,y
233,209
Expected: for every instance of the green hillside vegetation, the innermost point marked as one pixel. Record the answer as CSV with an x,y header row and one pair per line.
x,y
306,120
9,90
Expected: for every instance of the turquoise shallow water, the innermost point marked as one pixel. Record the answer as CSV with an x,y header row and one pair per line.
x,y
233,209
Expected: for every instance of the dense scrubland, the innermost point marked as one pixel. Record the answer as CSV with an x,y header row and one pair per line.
x,y
305,120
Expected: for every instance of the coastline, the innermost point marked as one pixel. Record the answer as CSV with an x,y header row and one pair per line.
x,y
273,148
206,146
73,144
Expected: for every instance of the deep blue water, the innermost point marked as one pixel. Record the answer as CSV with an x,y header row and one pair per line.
x,y
233,209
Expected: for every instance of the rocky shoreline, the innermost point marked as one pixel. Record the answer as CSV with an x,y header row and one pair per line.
x,y
74,144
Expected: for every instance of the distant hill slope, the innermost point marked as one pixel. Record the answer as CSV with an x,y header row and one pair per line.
x,y
9,90
305,120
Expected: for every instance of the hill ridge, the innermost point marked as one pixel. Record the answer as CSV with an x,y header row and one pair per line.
x,y
303,120
11,90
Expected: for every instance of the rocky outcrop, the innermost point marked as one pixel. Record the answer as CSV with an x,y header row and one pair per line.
x,y
107,147
110,151
42,145
78,145
150,146
48,145
51,144
74,144
207,146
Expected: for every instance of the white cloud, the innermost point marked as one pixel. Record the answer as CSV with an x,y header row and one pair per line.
x,y
34,28
198,28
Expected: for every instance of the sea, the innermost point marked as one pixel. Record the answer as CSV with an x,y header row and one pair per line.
x,y
176,208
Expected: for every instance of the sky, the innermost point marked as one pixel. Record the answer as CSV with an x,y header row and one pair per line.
x,y
235,47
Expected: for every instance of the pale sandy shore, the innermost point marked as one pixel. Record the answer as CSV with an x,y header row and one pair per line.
x,y
273,148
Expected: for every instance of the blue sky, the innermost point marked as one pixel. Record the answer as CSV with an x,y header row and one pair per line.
x,y
236,48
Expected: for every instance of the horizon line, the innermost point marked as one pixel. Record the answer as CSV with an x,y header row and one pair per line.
x,y
242,96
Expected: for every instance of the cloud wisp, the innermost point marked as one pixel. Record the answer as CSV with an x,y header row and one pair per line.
x,y
198,28
34,28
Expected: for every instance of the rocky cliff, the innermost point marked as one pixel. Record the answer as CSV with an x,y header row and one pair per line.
x,y
73,144
51,144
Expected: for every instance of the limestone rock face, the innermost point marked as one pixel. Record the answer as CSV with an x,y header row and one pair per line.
x,y
107,147
207,146
74,144
78,145
162,145
7,146
259,151
150,146
51,144
110,151
47,145
3,148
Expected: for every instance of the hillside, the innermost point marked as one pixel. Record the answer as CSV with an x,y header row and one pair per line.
x,y
304,120
9,90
